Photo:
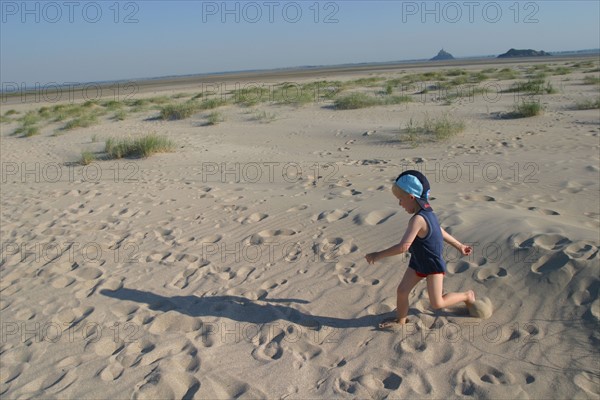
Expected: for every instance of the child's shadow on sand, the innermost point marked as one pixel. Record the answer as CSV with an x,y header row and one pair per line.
x,y
240,309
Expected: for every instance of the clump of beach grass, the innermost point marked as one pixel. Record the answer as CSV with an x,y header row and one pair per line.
x,y
187,109
532,86
506,74
159,100
561,71
252,96
87,157
179,111
443,127
294,94
112,105
524,109
358,100
591,80
327,90
365,82
7,115
28,125
355,101
214,118
583,64
210,104
462,92
180,95
27,131
136,102
396,99
81,122
60,112
143,146
588,104
30,118
439,128
264,117
120,115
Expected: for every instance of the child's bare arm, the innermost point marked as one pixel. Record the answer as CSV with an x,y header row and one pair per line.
x,y
452,241
414,226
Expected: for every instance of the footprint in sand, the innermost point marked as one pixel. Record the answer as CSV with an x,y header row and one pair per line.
x,y
174,321
350,193
252,218
556,262
302,350
10,373
62,282
477,197
344,387
345,273
432,352
272,285
331,248
297,208
268,350
571,187
582,250
378,382
190,274
584,294
112,371
72,316
588,383
543,211
228,387
459,267
331,216
107,346
489,273
210,239
481,380
124,309
88,273
134,351
374,217
260,237
551,241
164,235
166,385
276,232
50,383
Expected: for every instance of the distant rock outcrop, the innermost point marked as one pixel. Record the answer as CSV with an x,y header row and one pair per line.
x,y
523,53
443,55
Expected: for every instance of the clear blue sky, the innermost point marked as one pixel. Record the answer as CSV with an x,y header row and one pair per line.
x,y
81,41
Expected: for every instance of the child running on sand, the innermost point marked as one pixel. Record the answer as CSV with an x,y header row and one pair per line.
x,y
424,240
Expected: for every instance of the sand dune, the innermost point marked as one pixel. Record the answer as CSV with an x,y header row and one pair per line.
x,y
234,266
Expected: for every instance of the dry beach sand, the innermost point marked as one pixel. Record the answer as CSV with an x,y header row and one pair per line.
x,y
234,265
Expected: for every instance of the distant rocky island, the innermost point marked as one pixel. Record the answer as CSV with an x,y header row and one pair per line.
x,y
443,55
523,53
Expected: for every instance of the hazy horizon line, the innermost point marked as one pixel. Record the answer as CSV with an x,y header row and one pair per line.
x,y
38,85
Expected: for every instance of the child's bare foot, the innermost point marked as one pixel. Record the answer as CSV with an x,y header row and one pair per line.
x,y
391,323
470,298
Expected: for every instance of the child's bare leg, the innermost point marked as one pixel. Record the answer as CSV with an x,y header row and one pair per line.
x,y
409,280
435,285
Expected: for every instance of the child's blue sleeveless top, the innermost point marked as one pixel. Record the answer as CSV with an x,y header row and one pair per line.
x,y
426,253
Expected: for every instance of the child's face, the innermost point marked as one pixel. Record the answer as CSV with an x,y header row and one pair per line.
x,y
405,200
